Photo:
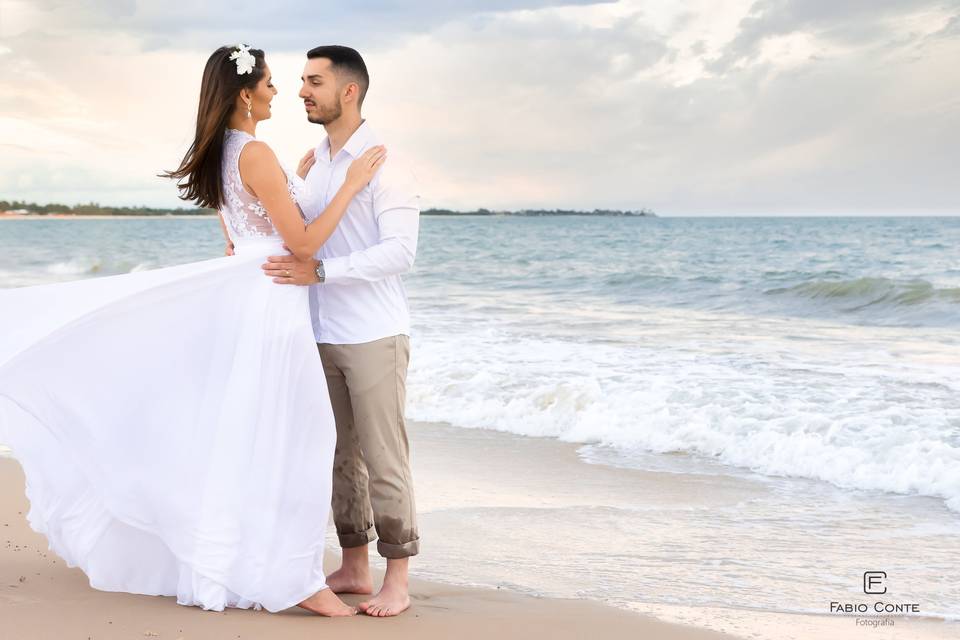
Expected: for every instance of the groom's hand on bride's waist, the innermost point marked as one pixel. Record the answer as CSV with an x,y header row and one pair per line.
x,y
291,270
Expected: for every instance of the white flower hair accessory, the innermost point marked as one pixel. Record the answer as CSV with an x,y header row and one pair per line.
x,y
245,60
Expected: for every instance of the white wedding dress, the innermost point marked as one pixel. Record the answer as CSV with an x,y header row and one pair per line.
x,y
174,425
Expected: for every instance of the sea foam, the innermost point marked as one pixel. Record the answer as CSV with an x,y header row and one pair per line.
x,y
857,418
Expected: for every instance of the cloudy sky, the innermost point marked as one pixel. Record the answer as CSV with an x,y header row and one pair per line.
x,y
699,107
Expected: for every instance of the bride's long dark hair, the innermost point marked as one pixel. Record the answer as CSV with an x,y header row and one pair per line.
x,y
199,174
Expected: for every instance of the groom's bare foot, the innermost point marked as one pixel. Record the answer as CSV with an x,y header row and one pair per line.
x,y
326,603
347,580
394,597
353,576
392,600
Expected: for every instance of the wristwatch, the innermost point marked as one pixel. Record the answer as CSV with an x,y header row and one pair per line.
x,y
321,274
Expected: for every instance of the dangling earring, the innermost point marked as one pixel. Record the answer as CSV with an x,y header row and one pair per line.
x,y
248,109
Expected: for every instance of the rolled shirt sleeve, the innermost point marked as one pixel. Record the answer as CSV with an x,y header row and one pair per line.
x,y
396,204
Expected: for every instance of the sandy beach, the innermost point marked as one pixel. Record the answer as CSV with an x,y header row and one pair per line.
x,y
476,491
40,598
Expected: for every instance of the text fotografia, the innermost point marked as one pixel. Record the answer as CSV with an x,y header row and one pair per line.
x,y
875,622
874,615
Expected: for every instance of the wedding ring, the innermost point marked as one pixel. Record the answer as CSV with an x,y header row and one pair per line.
x,y
286,273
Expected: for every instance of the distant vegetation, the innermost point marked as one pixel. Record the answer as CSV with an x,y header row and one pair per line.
x,y
94,209
539,212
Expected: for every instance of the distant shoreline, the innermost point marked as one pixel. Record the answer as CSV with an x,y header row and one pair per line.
x,y
18,209
83,216
11,215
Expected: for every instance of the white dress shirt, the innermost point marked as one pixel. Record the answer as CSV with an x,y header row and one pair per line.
x,y
363,298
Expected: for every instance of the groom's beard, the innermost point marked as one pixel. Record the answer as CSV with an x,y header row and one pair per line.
x,y
325,114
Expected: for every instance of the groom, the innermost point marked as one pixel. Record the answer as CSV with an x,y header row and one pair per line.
x,y
362,328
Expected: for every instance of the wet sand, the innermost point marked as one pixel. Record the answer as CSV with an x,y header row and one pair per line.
x,y
40,598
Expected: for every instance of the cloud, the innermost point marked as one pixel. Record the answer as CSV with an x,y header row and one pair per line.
x,y
950,30
280,25
851,22
535,104
552,101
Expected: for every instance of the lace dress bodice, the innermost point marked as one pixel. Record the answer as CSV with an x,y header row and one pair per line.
x,y
244,214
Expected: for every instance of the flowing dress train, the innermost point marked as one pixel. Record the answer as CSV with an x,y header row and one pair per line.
x,y
173,425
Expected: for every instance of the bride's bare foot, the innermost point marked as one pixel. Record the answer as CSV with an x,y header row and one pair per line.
x,y
345,580
392,600
326,603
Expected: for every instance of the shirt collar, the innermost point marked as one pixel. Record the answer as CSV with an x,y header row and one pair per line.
x,y
358,141
356,144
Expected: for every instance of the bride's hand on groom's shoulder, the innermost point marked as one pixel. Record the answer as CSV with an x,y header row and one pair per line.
x,y
303,168
361,171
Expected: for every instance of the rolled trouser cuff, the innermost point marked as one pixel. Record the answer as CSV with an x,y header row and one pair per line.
x,y
396,551
349,540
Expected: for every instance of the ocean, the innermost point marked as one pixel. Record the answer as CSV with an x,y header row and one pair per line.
x,y
816,357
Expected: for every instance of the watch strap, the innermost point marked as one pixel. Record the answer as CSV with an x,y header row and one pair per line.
x,y
321,274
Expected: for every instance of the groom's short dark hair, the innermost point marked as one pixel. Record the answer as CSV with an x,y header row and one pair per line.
x,y
345,62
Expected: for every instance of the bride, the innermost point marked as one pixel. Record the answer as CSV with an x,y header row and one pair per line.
x,y
174,425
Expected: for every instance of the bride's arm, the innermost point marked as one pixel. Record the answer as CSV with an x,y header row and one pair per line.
x,y
262,174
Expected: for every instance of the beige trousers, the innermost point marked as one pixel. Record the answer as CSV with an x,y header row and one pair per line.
x,y
372,485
